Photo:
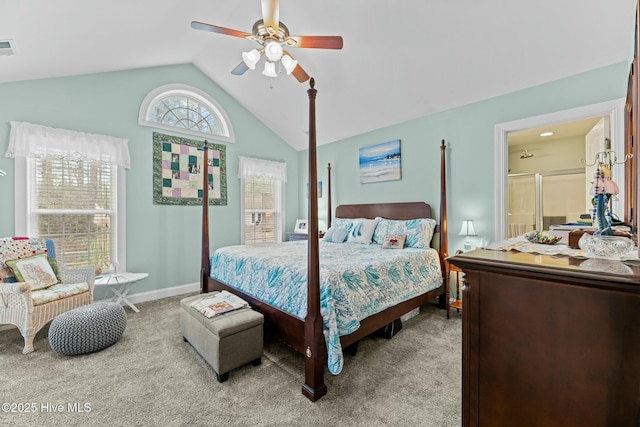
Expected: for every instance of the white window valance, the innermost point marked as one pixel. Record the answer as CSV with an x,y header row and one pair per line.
x,y
29,140
259,168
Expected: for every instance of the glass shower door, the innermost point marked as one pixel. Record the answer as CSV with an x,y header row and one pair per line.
x,y
525,203
537,202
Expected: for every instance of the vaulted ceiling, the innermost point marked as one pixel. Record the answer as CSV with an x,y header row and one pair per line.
x,y
401,60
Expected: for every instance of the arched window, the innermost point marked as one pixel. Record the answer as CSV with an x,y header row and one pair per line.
x,y
185,109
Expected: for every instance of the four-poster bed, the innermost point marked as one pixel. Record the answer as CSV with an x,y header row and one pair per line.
x,y
306,335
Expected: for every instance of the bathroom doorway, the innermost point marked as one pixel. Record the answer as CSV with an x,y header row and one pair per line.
x,y
552,159
551,174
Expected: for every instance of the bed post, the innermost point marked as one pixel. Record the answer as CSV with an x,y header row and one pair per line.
x,y
444,241
204,266
329,196
314,387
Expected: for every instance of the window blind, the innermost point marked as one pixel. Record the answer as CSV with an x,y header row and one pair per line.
x,y
261,216
73,203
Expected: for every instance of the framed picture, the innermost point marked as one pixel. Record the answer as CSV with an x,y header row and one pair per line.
x,y
380,162
178,167
301,226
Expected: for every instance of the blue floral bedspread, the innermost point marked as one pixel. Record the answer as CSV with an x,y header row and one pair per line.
x,y
356,281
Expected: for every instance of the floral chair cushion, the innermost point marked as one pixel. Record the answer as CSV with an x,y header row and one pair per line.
x,y
56,292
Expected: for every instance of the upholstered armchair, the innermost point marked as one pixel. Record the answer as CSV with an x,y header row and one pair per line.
x,y
29,296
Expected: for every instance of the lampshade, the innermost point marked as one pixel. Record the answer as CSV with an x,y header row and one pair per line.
x,y
467,228
269,69
273,50
289,63
251,58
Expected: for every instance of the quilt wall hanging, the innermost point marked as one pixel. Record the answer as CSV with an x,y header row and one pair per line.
x,y
178,165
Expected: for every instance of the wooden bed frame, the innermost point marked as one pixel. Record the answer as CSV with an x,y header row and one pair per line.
x,y
307,336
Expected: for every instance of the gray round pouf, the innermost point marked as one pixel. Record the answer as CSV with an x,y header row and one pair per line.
x,y
87,329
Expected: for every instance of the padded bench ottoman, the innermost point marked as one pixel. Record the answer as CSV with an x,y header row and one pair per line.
x,y
226,341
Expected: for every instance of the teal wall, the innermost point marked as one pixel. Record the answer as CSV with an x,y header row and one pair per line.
x,y
161,240
165,240
469,134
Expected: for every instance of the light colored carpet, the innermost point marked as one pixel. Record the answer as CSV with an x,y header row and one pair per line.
x,y
152,377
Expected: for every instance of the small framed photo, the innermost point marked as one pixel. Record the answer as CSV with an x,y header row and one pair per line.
x,y
301,226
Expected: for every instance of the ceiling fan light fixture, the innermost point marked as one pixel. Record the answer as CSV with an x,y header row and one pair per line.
x,y
273,50
273,38
251,58
269,69
288,63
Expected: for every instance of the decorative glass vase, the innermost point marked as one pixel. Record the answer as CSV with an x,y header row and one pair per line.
x,y
609,247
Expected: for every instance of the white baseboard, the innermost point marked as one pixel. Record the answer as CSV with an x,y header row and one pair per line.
x,y
162,293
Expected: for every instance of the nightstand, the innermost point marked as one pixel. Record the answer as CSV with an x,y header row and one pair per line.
x,y
291,236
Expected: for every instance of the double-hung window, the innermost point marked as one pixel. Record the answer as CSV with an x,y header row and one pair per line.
x,y
70,188
262,183
73,202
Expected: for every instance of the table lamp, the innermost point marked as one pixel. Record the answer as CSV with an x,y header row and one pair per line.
x,y
467,230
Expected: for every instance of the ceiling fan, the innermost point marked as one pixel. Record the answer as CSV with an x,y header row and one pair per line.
x,y
273,37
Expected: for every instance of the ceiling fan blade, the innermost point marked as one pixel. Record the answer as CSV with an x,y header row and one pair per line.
x,y
240,69
300,74
271,14
220,30
317,42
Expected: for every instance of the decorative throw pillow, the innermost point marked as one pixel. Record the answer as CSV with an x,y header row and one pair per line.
x,y
419,231
346,223
335,235
362,231
328,234
12,248
35,270
394,241
339,235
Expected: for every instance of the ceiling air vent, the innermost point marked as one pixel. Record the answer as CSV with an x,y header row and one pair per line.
x,y
6,48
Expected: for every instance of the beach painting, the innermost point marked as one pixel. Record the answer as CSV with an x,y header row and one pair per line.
x,y
380,162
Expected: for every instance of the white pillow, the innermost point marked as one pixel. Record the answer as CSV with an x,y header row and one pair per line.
x,y
362,231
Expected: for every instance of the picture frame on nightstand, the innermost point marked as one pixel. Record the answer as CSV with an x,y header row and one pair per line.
x,y
301,226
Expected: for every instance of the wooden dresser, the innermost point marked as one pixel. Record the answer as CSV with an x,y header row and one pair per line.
x,y
549,341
